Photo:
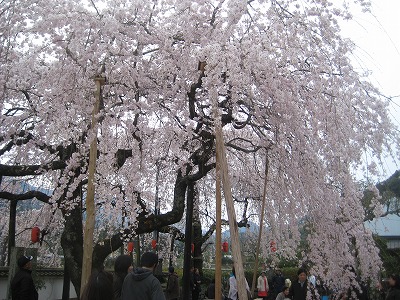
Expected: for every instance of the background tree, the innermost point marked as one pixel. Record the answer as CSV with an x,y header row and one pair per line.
x,y
381,200
278,72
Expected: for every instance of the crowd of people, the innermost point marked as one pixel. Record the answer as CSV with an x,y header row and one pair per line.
x,y
140,283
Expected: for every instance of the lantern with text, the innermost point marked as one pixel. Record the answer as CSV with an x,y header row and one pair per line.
x,y
272,246
130,247
225,247
35,234
153,244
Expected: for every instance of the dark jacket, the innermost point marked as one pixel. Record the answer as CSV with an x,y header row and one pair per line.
x,y
118,280
22,286
278,282
172,291
393,294
141,284
297,291
197,282
210,293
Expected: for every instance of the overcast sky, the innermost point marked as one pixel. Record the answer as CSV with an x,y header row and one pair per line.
x,y
377,37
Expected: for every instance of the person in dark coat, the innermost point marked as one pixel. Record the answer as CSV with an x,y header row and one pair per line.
x,y
278,283
141,284
123,264
191,275
22,286
210,293
99,286
298,289
172,291
394,288
197,284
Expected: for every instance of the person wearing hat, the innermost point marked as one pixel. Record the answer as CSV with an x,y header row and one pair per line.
x,y
262,286
22,286
172,291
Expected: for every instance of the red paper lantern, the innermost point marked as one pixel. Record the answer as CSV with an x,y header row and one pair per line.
x,y
130,247
192,247
35,235
225,247
153,244
272,246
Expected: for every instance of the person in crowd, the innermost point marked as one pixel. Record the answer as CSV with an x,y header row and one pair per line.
x,y
22,286
278,283
312,279
99,286
283,294
210,293
262,286
191,274
233,288
394,288
172,290
196,284
141,284
123,264
298,289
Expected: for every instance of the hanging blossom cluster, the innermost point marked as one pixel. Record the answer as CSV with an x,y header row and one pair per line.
x,y
278,72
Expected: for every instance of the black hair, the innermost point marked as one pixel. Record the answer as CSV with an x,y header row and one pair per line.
x,y
285,288
99,286
396,278
302,270
122,264
149,260
171,269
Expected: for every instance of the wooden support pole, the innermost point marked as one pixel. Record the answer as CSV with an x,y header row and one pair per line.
x,y
218,252
90,207
253,285
190,194
233,228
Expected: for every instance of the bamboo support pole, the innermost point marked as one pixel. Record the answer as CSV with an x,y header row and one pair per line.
x,y
90,207
218,252
237,255
253,284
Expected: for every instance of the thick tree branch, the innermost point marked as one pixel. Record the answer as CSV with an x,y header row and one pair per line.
x,y
25,196
18,171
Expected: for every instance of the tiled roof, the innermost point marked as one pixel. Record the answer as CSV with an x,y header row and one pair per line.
x,y
48,272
